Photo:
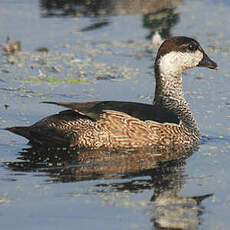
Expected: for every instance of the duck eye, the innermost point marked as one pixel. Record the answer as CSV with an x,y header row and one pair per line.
x,y
192,47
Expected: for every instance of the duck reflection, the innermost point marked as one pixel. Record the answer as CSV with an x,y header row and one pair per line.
x,y
158,16
161,21
92,8
169,210
161,170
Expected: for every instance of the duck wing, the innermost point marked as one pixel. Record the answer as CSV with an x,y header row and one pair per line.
x,y
120,118
140,111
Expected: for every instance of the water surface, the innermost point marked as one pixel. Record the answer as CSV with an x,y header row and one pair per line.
x,y
102,50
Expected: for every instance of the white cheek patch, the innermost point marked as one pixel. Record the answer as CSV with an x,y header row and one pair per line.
x,y
192,59
170,63
178,61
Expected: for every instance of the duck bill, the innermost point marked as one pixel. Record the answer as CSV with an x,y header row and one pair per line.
x,y
207,62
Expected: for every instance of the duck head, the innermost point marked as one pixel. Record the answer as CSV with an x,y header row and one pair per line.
x,y
180,53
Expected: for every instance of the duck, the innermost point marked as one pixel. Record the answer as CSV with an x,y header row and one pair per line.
x,y
122,124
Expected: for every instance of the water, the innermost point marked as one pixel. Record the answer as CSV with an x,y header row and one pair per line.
x,y
103,51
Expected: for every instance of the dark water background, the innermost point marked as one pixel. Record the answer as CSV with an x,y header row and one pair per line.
x,y
102,50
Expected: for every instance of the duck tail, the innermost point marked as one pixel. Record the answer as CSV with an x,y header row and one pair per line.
x,y
20,130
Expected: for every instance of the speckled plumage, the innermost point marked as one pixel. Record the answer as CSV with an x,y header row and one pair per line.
x,y
112,124
117,129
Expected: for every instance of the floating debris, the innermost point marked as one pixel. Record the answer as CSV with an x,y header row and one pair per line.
x,y
76,60
5,71
5,200
56,80
13,47
42,50
107,77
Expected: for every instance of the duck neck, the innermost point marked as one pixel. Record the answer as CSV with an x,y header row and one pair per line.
x,y
169,94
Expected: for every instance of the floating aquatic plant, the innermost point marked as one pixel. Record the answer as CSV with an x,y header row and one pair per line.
x,y
56,80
